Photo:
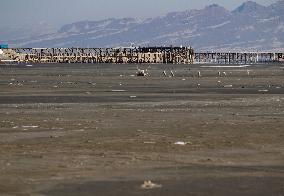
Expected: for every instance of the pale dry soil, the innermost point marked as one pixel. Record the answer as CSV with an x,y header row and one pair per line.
x,y
74,129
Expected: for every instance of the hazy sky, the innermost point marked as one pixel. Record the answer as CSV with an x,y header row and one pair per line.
x,y
58,12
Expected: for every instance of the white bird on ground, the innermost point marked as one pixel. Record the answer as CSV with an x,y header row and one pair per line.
x,y
199,74
164,72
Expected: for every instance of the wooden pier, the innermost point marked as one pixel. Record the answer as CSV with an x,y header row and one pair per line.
x,y
237,57
173,55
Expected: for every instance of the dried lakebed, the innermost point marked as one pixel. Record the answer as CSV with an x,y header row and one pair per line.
x,y
79,129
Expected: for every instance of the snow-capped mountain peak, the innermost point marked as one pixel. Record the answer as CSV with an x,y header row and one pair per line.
x,y
251,26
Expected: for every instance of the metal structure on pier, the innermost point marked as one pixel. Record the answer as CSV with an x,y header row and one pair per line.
x,y
174,55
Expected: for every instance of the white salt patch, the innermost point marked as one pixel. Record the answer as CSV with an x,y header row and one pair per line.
x,y
118,90
226,66
180,143
32,126
79,130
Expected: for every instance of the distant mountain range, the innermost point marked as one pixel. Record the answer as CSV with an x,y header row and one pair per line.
x,y
249,27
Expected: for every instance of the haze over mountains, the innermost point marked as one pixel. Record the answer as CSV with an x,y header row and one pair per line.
x,y
249,27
